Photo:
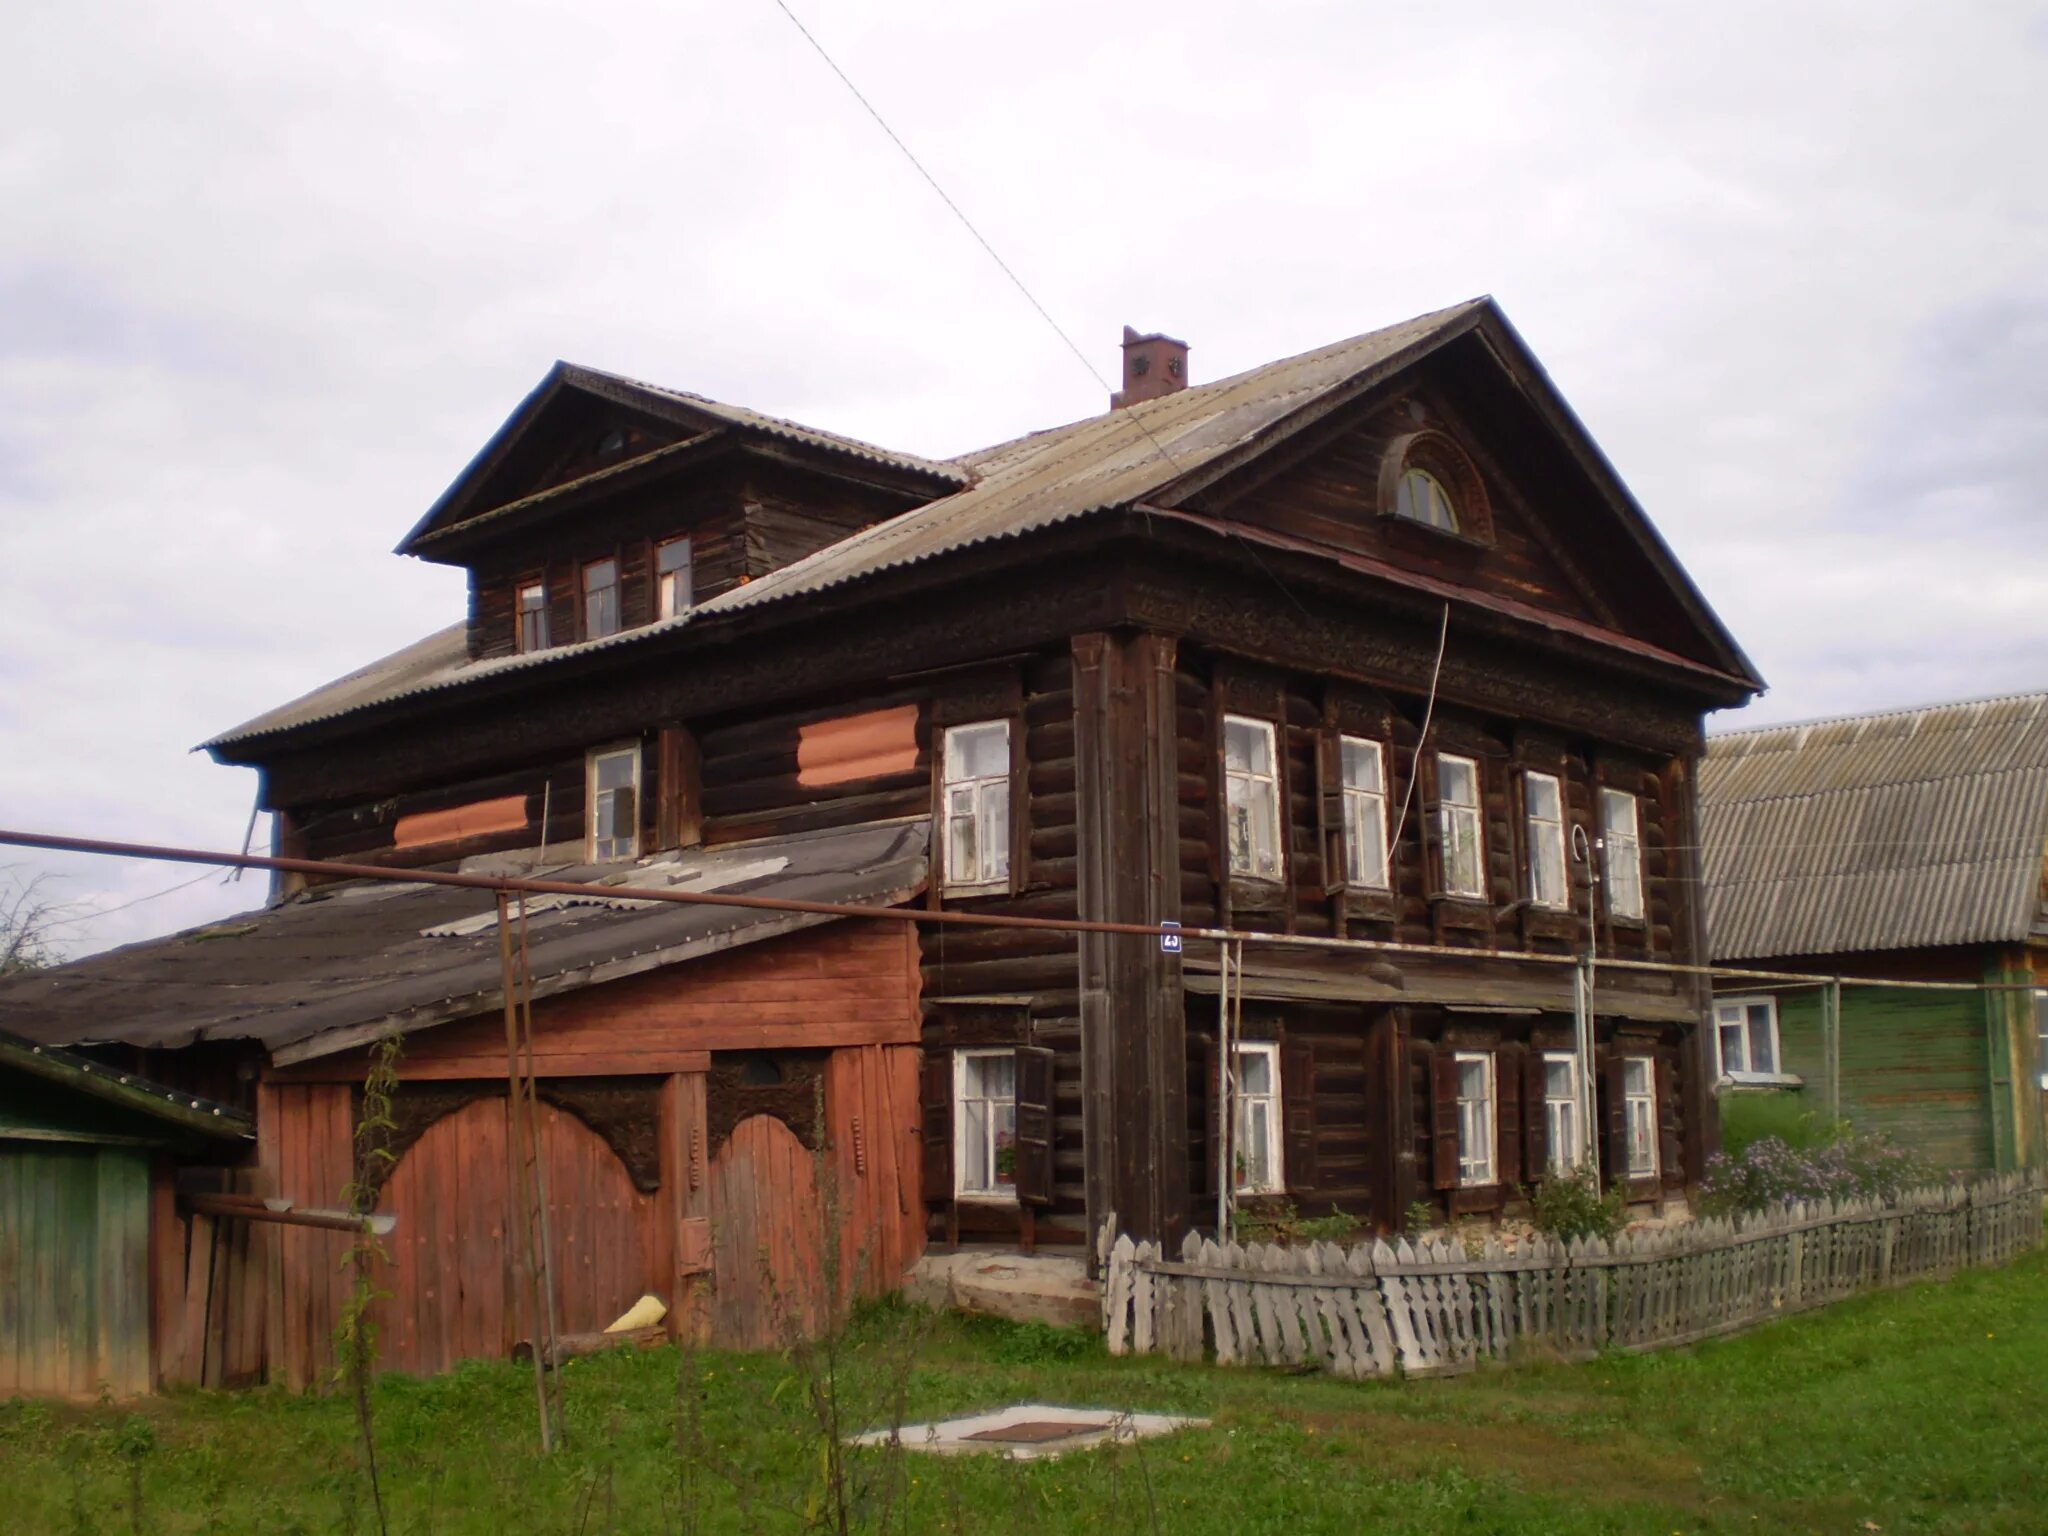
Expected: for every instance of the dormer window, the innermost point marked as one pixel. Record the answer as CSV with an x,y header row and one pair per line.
x,y
533,616
600,599
1422,498
672,575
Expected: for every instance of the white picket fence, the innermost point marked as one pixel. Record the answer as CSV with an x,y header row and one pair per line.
x,y
1430,1308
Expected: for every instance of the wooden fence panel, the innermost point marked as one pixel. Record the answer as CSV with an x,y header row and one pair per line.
x,y
1429,1308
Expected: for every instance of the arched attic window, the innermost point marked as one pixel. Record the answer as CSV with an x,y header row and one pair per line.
x,y
1426,478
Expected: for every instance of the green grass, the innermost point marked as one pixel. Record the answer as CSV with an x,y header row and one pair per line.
x,y
1923,1410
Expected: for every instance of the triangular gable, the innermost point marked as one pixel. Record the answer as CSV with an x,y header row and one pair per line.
x,y
581,423
572,425
1565,535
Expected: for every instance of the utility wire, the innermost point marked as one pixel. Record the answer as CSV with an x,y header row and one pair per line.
x,y
979,238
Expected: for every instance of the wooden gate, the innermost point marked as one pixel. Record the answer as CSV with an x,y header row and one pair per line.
x,y
767,1235
451,1282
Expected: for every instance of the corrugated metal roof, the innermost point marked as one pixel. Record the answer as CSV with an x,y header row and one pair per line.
x,y
343,957
1902,830
1021,486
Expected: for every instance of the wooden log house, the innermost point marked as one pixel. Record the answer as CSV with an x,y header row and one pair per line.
x,y
1349,645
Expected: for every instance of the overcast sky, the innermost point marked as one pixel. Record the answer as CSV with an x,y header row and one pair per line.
x,y
270,274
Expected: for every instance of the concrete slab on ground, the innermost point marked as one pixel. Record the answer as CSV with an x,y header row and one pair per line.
x,y
1030,1431
1026,1288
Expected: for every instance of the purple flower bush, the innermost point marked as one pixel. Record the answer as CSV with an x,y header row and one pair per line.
x,y
1769,1175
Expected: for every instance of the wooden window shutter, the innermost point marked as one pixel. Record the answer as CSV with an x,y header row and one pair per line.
x,y
1330,808
1428,828
1298,1114
937,1112
1614,1117
1508,1116
1535,1117
1443,1120
1670,1148
1211,1100
680,821
1034,1125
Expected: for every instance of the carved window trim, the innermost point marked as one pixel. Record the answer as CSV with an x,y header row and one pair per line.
x,y
1439,456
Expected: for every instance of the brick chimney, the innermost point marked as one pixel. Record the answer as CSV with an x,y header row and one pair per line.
x,y
1154,365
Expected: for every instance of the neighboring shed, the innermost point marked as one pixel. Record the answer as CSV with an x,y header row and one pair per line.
x,y
712,1082
81,1148
1905,845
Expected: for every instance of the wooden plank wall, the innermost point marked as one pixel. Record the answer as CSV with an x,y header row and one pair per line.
x,y
209,1289
1306,709
364,832
873,1129
74,1271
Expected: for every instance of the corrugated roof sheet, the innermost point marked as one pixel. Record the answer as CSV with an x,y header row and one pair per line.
x,y
342,957
1021,486
1908,829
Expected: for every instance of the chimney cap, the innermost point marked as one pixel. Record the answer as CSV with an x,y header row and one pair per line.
x,y
1132,338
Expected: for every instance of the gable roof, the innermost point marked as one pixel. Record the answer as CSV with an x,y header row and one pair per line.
x,y
701,418
1906,829
1156,452
336,965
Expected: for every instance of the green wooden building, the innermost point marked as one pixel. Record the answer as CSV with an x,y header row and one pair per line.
x,y
86,1161
1904,847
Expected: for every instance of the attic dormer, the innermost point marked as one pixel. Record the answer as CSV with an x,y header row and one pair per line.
x,y
604,505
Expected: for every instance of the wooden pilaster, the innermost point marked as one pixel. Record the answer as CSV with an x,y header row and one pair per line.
x,y
1133,1019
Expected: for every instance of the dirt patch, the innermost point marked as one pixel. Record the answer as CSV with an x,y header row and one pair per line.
x,y
1612,1468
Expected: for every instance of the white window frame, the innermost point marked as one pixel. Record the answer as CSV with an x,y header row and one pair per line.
x,y
2040,1034
1563,1138
1546,833
984,802
1451,813
543,636
1240,1118
1734,1013
1367,865
598,849
674,590
1482,1114
1622,853
1642,1106
995,1192
1257,795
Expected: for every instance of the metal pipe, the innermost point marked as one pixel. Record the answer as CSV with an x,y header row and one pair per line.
x,y
339,871
253,1208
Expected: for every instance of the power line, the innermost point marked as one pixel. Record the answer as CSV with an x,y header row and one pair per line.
x,y
980,239
86,917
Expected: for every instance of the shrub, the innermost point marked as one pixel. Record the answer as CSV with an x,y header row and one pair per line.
x,y
1283,1224
1570,1205
1770,1173
1747,1118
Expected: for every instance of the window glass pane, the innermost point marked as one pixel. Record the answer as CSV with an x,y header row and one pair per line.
x,y
1471,1079
1254,1072
1636,1075
1247,744
1458,781
1762,1057
1361,763
976,1172
599,574
1557,1077
615,768
1543,797
978,751
1733,1058
534,596
673,556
